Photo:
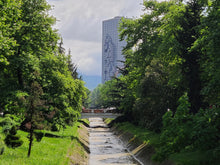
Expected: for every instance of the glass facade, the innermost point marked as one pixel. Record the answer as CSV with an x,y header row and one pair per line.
x,y
111,49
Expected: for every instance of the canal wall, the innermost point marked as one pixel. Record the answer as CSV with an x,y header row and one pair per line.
x,y
81,157
141,151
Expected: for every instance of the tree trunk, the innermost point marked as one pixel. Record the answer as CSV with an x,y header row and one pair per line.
x,y
30,140
20,78
194,84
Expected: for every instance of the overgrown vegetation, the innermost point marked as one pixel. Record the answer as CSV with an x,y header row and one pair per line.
x,y
170,80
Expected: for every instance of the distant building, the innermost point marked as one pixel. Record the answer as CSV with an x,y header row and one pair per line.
x,y
111,49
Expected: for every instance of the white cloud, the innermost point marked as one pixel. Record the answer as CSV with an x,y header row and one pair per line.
x,y
80,25
86,55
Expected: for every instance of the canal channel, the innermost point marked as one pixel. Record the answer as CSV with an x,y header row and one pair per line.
x,y
105,147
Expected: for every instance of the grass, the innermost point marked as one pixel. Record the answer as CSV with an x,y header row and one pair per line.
x,y
108,120
50,151
140,133
194,158
77,153
85,120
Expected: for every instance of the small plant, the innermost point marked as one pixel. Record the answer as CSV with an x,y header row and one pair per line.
x,y
12,140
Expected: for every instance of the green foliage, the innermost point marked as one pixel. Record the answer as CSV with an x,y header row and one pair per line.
x,y
140,133
107,95
185,132
8,122
208,42
12,140
9,23
173,137
155,97
172,49
96,100
32,54
86,99
37,82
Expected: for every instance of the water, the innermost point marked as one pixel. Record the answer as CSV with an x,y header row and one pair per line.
x,y
105,147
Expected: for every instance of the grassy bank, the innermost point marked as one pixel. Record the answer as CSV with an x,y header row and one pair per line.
x,y
153,139
139,133
49,151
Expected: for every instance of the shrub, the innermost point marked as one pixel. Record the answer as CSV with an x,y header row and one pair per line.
x,y
185,132
6,121
12,140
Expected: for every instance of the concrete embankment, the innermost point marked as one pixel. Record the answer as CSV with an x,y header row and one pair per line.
x,y
79,152
97,134
140,150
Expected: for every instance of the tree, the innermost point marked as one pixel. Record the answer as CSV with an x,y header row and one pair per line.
x,y
209,42
34,38
181,31
95,97
61,49
9,24
72,67
145,83
87,99
33,111
31,63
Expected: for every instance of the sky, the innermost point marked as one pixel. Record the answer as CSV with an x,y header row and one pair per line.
x,y
80,24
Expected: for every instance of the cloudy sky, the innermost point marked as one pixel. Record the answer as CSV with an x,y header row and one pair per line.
x,y
80,24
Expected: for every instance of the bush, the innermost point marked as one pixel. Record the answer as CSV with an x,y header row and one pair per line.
x,y
12,140
154,98
6,121
185,132
14,118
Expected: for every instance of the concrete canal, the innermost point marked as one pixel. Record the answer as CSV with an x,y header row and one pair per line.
x,y
105,147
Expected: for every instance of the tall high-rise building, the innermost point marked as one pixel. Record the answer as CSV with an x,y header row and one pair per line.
x,y
111,49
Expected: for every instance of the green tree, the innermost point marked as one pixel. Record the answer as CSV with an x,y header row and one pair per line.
x,y
9,24
32,47
87,99
34,38
209,42
145,80
96,100
33,111
72,67
182,29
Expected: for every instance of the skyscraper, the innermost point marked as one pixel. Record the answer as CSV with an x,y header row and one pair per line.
x,y
111,48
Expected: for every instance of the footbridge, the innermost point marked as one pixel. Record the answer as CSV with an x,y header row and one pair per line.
x,y
102,113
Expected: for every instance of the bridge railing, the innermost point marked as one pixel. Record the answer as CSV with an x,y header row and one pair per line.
x,y
99,110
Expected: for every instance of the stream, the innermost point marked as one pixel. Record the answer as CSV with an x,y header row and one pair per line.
x,y
105,147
